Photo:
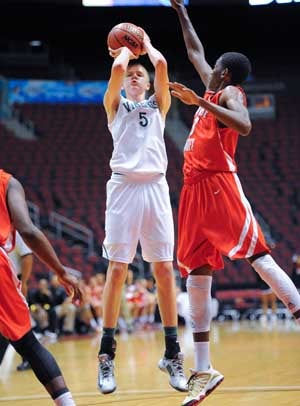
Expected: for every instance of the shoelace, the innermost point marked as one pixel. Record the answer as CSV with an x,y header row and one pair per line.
x,y
177,366
197,383
106,368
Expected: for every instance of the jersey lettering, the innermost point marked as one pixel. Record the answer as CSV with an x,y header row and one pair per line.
x,y
130,105
189,145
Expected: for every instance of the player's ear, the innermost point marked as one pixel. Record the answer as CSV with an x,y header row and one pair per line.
x,y
148,86
225,75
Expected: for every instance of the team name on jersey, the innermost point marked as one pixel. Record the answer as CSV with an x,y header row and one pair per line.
x,y
201,112
129,106
189,144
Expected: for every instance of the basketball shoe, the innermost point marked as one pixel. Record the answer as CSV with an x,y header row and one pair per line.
x,y
106,377
174,367
200,385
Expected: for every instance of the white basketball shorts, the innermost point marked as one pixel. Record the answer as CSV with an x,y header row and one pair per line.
x,y
138,210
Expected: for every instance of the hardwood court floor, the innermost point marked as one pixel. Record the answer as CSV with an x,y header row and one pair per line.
x,y
261,368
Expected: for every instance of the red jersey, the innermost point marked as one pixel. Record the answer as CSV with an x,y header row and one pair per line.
x,y
14,313
7,231
210,147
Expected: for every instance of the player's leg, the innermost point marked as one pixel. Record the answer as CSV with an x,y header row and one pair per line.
x,y
119,247
115,279
240,236
4,343
45,368
278,280
172,362
157,242
197,257
15,324
204,378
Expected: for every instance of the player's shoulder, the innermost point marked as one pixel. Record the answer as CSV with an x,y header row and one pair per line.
x,y
232,92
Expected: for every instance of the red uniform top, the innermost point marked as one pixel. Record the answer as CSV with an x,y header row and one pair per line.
x,y
14,314
209,146
7,230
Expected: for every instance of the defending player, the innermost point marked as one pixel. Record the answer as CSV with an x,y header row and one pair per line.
x,y
215,217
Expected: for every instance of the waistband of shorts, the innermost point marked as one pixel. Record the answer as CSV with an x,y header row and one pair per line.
x,y
191,180
137,177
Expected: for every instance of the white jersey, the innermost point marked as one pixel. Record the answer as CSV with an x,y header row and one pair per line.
x,y
20,250
138,136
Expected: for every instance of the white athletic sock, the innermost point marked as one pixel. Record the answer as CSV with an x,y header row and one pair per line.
x,y
199,292
202,356
279,281
65,399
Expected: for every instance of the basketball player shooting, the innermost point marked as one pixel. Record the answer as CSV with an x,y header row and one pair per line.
x,y
138,203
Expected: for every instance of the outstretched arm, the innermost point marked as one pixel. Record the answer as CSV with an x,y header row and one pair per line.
x,y
118,70
35,239
161,79
232,112
193,44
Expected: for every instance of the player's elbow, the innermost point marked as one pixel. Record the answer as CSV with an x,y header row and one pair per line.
x,y
119,68
247,127
28,231
161,63
193,55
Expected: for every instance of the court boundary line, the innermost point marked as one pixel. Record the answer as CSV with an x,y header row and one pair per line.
x,y
236,389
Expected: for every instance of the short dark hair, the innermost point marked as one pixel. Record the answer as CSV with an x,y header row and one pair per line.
x,y
134,62
238,66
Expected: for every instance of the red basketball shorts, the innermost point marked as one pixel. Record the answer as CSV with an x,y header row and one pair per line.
x,y
14,312
215,219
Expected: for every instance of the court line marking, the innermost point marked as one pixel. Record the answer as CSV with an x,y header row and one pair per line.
x,y
161,391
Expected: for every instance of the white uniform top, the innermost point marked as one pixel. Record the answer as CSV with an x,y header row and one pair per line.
x,y
138,136
20,250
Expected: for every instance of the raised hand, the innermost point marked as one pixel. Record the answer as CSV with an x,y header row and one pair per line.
x,y
183,93
114,53
145,43
177,3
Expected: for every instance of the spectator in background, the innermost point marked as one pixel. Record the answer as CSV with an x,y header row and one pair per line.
x,y
42,309
268,301
65,310
296,270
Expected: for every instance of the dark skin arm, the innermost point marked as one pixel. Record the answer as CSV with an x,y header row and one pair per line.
x,y
193,44
35,239
231,112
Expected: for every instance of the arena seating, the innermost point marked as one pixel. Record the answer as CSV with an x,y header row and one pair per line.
x,y
66,169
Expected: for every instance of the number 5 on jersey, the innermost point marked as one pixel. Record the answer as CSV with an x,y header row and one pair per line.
x,y
143,120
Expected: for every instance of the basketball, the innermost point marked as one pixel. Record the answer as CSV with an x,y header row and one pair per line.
x,y
126,35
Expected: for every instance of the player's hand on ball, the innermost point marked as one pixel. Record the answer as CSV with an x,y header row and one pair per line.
x,y
116,52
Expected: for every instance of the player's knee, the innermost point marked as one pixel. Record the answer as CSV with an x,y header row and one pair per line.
x,y
117,273
24,343
40,359
199,292
163,272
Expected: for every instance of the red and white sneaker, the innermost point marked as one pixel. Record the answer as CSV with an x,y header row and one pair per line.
x,y
200,385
